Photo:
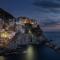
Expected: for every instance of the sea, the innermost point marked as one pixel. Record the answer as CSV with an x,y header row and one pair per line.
x,y
38,52
54,36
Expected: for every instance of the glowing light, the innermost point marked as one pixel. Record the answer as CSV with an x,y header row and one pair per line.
x,y
30,31
4,35
32,23
28,21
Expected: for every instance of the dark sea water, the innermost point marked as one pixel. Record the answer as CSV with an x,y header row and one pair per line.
x,y
54,36
38,52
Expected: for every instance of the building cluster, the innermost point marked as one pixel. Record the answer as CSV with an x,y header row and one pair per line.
x,y
9,26
23,31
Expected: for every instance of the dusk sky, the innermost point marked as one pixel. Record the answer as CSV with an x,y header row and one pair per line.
x,y
46,11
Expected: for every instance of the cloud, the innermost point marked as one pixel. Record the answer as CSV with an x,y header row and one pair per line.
x,y
48,23
53,27
47,3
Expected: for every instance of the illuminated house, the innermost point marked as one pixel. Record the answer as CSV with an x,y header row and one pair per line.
x,y
23,21
26,28
7,27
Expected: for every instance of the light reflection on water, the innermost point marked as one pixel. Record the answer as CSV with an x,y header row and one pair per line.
x,y
2,58
34,53
30,53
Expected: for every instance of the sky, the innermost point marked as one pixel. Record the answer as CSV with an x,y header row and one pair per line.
x,y
47,12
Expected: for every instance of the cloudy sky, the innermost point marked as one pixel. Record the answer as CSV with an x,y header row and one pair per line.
x,y
45,11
